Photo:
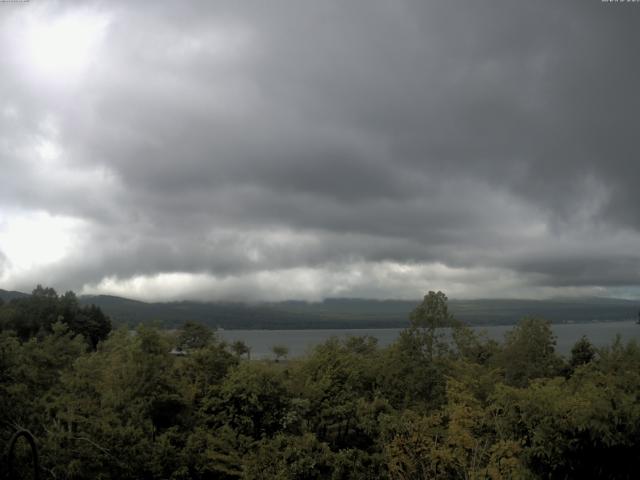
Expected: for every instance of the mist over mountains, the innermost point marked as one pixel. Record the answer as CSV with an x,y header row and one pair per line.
x,y
349,312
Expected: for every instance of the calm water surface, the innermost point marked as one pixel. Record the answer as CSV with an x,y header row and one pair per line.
x,y
301,342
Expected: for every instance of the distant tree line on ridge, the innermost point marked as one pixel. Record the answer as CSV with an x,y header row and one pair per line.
x,y
36,314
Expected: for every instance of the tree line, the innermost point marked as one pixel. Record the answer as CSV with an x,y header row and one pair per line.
x,y
442,402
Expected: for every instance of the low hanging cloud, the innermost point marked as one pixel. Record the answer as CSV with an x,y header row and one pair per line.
x,y
245,150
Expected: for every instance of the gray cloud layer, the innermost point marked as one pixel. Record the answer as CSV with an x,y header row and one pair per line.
x,y
374,148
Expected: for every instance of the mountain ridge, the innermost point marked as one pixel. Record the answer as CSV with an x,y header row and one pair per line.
x,y
333,313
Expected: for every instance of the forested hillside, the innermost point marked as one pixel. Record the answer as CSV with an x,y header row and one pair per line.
x,y
355,313
347,312
155,405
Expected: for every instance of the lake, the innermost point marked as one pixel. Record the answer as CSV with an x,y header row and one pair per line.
x,y
300,342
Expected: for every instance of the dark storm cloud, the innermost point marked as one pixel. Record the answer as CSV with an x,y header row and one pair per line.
x,y
225,138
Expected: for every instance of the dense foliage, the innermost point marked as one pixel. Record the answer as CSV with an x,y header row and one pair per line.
x,y
35,316
440,403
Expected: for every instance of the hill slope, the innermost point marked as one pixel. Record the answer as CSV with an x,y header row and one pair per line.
x,y
348,312
357,313
7,295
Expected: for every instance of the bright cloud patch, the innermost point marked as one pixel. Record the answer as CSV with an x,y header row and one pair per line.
x,y
58,46
367,280
33,242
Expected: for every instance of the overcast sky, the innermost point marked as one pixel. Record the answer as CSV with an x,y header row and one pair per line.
x,y
307,149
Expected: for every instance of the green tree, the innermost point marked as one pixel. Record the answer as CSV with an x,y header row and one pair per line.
x,y
280,351
290,458
414,367
457,441
427,321
205,368
240,348
194,335
117,409
92,324
214,453
529,352
585,426
252,400
582,353
36,314
338,377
